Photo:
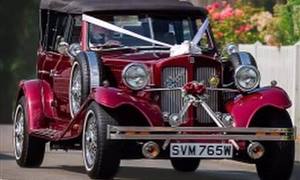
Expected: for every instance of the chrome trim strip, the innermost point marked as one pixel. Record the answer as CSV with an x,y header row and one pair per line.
x,y
43,72
163,89
205,133
201,129
94,70
179,89
200,137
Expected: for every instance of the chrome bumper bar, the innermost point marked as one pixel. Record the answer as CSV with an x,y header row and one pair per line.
x,y
200,133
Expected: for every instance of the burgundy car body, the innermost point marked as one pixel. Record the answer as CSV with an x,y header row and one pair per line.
x,y
40,95
47,97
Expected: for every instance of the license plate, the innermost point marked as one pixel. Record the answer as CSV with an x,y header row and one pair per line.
x,y
201,150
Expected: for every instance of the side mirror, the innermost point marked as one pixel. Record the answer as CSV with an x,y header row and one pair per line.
x,y
231,48
228,50
63,47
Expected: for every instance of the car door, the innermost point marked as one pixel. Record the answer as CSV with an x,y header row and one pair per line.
x,y
56,66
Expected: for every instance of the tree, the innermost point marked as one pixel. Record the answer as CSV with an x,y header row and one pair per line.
x,y
18,37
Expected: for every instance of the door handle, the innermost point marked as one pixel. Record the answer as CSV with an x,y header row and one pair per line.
x,y
50,55
53,73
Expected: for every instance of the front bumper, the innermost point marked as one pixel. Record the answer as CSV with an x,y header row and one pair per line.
x,y
200,133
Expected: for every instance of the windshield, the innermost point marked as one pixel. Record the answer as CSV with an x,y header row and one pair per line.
x,y
170,30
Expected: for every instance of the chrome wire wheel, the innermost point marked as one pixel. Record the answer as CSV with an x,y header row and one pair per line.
x,y
101,156
19,131
90,140
29,150
75,89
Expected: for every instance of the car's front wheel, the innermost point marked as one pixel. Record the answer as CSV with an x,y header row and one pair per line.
x,y
278,161
29,150
185,164
101,156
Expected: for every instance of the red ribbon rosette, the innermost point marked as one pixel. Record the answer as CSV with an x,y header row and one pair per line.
x,y
194,88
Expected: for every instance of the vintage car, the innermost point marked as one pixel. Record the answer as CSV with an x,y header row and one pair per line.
x,y
129,79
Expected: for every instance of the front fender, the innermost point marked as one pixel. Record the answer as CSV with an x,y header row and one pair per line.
x,y
38,97
244,107
115,98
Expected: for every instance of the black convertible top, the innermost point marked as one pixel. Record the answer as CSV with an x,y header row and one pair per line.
x,y
90,6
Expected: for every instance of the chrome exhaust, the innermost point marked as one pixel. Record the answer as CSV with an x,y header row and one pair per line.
x,y
255,150
150,150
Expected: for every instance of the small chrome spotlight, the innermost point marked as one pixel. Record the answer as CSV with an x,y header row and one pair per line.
x,y
150,150
255,150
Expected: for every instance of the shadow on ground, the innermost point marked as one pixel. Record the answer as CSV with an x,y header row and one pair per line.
x,y
162,174
6,157
145,173
140,173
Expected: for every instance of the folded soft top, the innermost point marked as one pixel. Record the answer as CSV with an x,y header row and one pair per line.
x,y
90,6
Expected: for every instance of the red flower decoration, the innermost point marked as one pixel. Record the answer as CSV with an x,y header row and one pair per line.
x,y
226,13
194,88
244,28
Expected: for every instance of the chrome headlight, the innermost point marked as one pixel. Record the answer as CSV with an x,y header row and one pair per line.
x,y
247,77
135,76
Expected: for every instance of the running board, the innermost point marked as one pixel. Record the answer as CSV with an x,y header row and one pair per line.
x,y
49,134
200,133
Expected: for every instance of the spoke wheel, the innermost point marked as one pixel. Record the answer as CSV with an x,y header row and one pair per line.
x,y
75,89
19,131
101,156
90,140
29,150
79,85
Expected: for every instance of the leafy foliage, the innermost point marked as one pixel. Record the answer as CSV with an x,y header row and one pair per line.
x,y
18,37
233,23
243,23
287,23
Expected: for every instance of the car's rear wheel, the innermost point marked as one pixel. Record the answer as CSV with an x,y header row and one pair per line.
x,y
278,161
185,164
29,151
101,156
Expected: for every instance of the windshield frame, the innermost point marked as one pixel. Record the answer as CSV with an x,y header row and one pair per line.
x,y
191,19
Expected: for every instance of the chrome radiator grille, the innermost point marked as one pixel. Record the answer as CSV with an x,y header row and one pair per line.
x,y
202,75
171,101
172,77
